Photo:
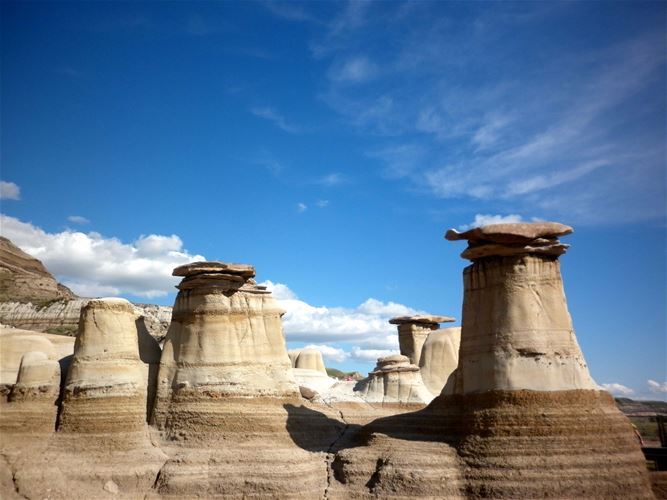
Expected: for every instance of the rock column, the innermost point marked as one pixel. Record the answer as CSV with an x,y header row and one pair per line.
x,y
413,331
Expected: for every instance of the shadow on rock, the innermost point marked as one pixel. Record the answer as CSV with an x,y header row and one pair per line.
x,y
314,431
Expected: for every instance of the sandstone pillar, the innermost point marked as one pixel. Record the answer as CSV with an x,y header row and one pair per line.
x,y
413,331
518,332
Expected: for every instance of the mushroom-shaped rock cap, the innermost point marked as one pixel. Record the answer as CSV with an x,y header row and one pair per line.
x,y
421,319
213,267
521,232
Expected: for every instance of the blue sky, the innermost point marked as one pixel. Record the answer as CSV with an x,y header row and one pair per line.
x,y
332,144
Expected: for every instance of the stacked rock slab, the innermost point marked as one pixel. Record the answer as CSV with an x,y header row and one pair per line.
x,y
522,417
413,332
394,380
440,357
227,403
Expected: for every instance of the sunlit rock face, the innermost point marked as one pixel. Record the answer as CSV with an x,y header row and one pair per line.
x,y
518,331
440,357
394,380
520,417
106,384
227,399
225,340
307,359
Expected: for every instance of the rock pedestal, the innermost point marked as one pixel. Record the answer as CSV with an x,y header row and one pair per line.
x,y
413,332
105,390
394,380
522,417
227,399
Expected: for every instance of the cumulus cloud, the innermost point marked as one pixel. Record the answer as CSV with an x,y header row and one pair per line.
x,y
78,219
618,389
366,326
485,219
9,191
657,387
371,355
93,265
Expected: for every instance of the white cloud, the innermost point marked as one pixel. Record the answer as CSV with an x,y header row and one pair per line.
x,y
276,118
9,191
366,326
618,389
78,219
486,219
91,264
301,207
371,355
322,203
330,353
354,70
657,387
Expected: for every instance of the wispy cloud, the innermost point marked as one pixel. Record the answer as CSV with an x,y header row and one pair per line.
x,y
332,179
322,203
276,118
618,389
657,387
555,139
78,219
301,207
9,191
356,69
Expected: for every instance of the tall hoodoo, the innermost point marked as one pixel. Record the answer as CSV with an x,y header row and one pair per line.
x,y
520,417
413,331
518,332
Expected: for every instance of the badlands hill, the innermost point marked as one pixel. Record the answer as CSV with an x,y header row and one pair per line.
x,y
31,298
25,279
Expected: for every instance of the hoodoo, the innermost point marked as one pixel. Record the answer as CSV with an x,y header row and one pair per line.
x,y
227,399
413,331
394,380
440,357
520,417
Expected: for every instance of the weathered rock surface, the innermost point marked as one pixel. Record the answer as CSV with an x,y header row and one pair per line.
x,y
496,431
24,278
440,357
394,380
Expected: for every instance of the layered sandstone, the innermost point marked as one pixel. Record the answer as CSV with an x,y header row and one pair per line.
x,y
439,358
227,399
394,380
520,417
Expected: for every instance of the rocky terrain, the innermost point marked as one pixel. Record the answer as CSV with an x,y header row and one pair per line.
x,y
31,298
219,412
